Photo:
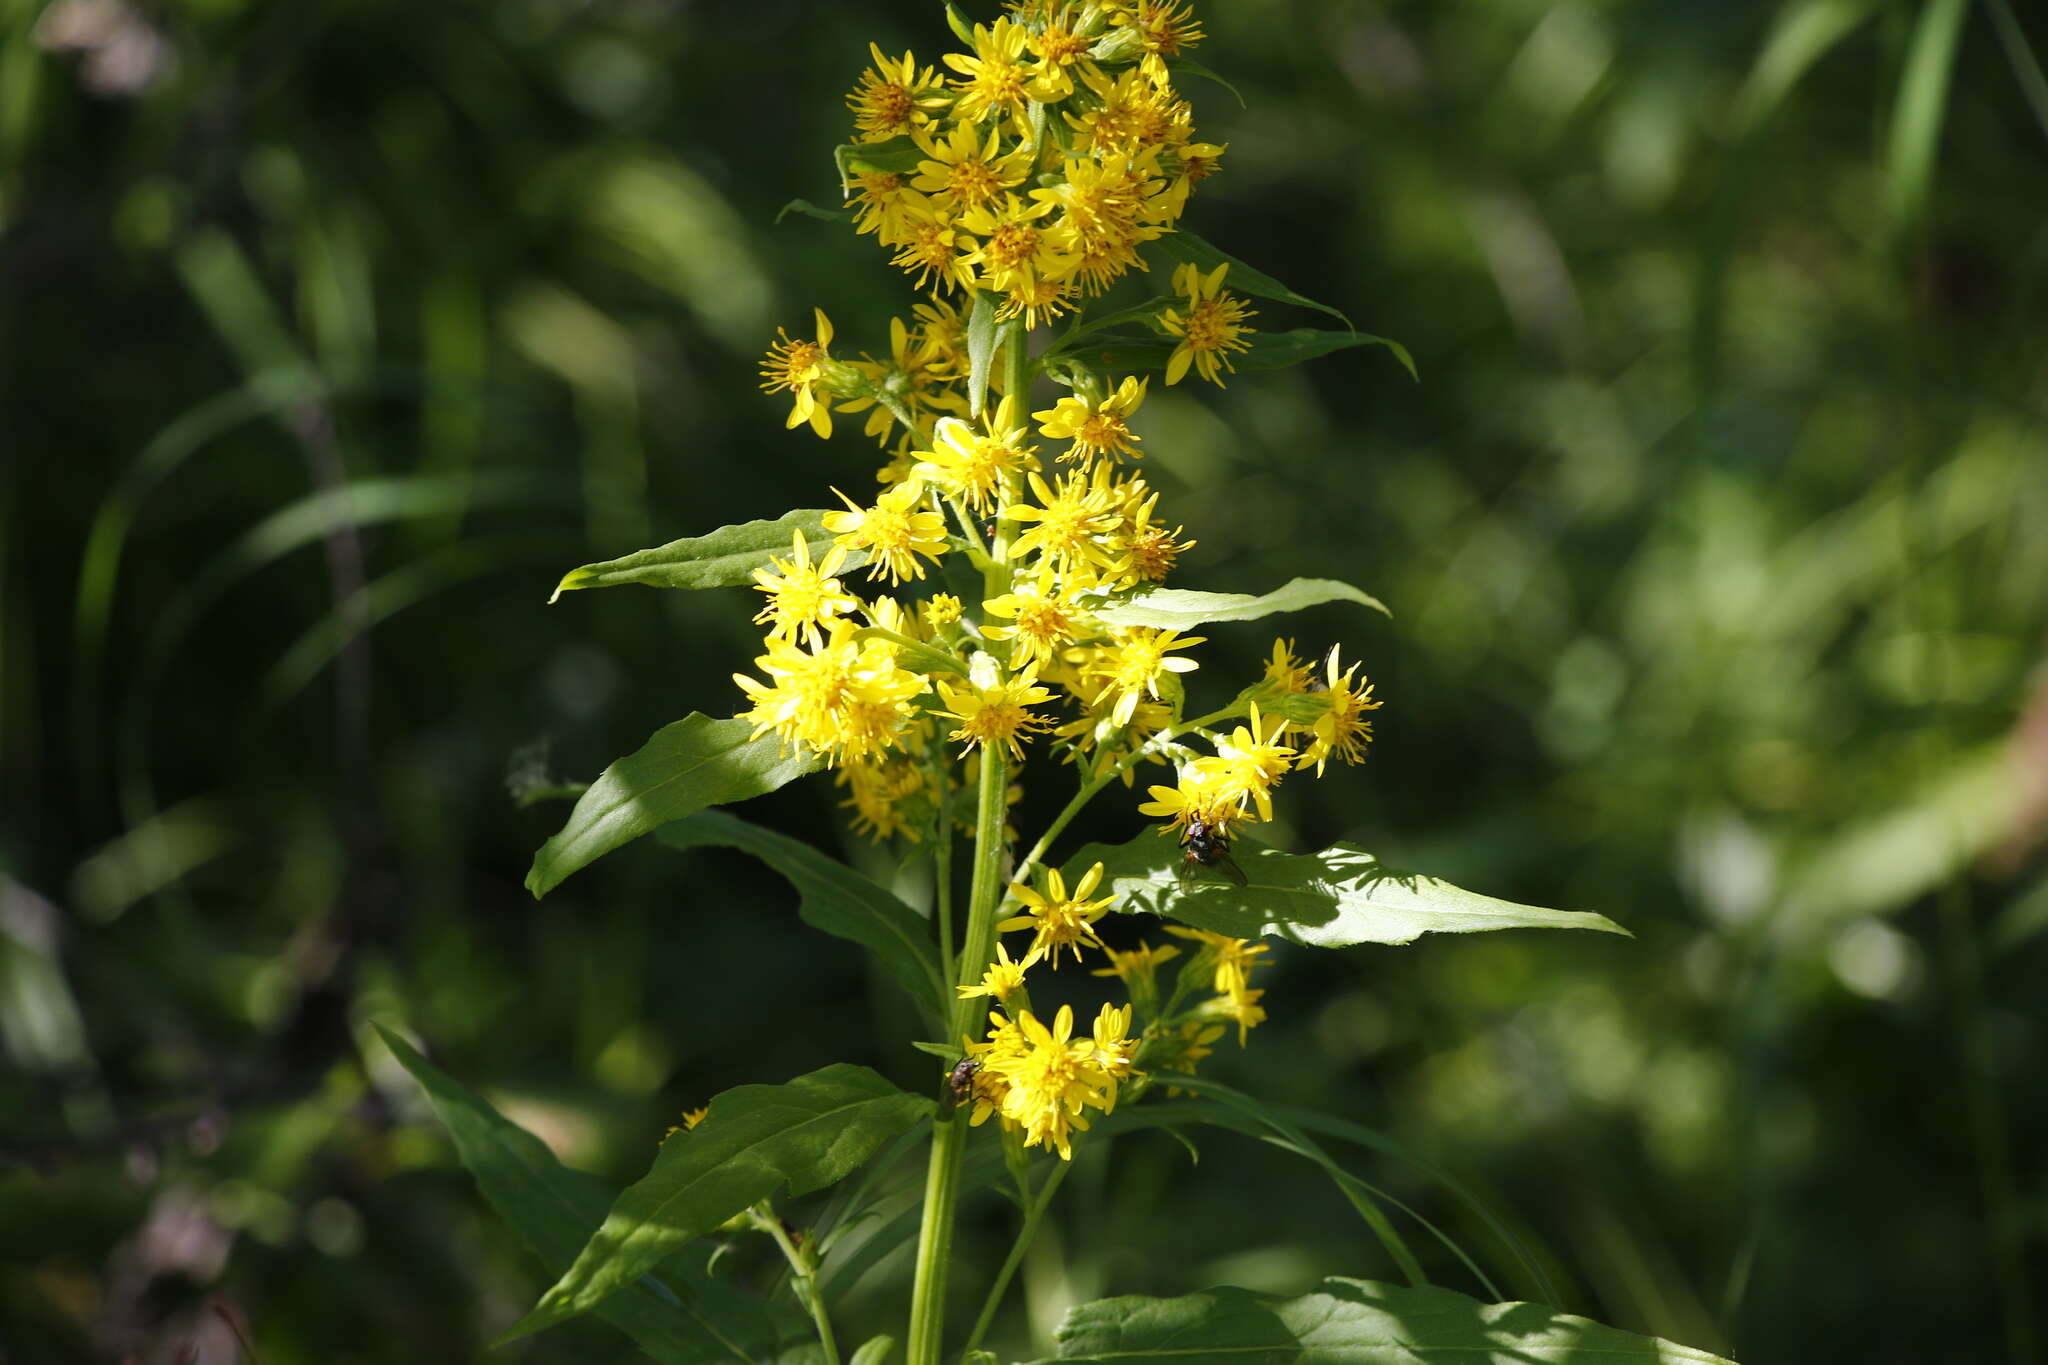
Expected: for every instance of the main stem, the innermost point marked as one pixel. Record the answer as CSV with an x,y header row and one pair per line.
x,y
977,947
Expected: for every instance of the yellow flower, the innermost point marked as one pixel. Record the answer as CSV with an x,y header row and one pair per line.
x,y
940,609
885,205
1343,730
1057,919
1213,327
992,83
1138,969
1250,762
1040,1081
1061,51
1095,428
965,171
1113,1048
980,467
1284,673
802,597
931,248
1046,617
885,103
885,794
1136,112
1015,251
1165,27
1184,168
1147,550
995,711
1004,976
797,366
1231,962
1196,796
845,697
1102,204
895,531
1069,530
1131,667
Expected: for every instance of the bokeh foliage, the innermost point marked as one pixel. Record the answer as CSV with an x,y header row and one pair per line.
x,y
1712,536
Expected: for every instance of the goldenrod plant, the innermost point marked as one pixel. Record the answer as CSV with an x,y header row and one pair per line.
x,y
993,609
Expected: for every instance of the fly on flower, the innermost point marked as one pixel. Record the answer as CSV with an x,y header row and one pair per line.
x,y
1206,847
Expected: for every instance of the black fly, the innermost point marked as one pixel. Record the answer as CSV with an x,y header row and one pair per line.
x,y
959,1085
1205,844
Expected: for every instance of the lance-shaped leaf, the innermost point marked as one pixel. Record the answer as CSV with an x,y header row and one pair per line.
x,y
758,1138
1268,350
836,899
1351,1322
689,765
1178,609
1245,279
683,1317
726,558
1331,899
981,349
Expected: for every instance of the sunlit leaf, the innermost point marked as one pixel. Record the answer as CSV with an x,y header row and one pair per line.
x,y
681,1317
726,558
981,349
835,899
758,1139
1178,609
686,766
1350,1322
1332,899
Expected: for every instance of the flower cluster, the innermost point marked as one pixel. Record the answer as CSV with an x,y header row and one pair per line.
x,y
1015,182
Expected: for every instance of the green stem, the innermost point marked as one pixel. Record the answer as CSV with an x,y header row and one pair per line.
x,y
977,946
942,863
1033,1211
803,1273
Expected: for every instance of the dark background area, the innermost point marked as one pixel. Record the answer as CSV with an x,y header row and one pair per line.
x,y
1713,536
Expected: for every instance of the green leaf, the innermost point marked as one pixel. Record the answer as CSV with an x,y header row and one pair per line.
x,y
758,1138
835,899
1245,279
726,558
897,154
1194,68
1333,899
683,1317
1269,350
1350,1322
981,349
1921,109
810,210
1177,609
874,1351
686,766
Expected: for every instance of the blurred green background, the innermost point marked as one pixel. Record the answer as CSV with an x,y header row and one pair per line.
x,y
1716,537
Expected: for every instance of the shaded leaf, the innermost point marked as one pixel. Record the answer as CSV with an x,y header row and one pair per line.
x,y
1269,350
981,349
758,1138
1245,279
1331,899
726,558
835,899
682,1317
1178,609
1195,68
810,210
1349,1322
688,765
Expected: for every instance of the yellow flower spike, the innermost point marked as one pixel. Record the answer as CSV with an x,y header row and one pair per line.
x,y
1343,730
1004,977
1096,429
992,710
1131,667
1057,919
1212,327
896,530
801,597
797,366
886,101
980,466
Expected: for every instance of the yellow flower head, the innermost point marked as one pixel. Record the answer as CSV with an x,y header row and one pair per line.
x,y
886,794
1131,667
980,466
1071,529
1102,216
885,205
797,366
930,247
1197,796
940,609
844,697
886,102
1044,618
1136,113
1004,977
994,710
1166,28
1249,763
1015,252
1284,673
802,597
1343,730
964,170
1096,429
991,84
1212,327
1040,1080
895,531
1062,50
1057,919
